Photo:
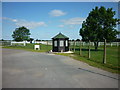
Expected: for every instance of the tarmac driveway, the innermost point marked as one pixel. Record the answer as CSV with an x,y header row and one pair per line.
x,y
24,69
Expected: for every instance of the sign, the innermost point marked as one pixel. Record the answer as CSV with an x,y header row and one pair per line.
x,y
36,47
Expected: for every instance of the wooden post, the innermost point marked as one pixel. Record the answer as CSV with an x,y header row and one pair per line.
x,y
80,53
69,46
89,50
47,45
104,55
74,47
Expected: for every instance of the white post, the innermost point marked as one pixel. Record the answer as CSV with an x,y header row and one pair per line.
x,y
117,44
99,44
24,43
83,43
111,44
75,43
11,43
93,43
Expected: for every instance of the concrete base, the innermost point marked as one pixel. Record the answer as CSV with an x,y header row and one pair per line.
x,y
64,52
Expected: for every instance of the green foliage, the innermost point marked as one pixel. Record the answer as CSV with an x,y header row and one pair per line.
x,y
21,33
100,24
30,39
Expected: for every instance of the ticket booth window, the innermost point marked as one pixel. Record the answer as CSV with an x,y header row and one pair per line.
x,y
61,43
66,43
55,43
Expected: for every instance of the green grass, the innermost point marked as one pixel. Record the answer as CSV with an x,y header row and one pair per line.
x,y
112,62
30,47
96,59
91,62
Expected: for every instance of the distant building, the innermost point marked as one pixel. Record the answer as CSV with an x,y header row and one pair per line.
x,y
60,43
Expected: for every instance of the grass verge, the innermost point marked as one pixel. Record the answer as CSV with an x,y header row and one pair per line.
x,y
92,63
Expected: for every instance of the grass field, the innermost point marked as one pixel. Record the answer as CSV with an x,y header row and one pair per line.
x,y
112,58
96,59
97,56
30,47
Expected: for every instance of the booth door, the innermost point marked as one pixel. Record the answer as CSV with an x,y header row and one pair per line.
x,y
61,46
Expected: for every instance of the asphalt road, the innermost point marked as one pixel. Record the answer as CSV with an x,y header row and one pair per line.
x,y
23,69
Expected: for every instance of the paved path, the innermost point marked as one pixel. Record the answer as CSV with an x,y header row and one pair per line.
x,y
23,69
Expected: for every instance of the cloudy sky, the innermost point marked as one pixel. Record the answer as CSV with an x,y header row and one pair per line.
x,y
46,19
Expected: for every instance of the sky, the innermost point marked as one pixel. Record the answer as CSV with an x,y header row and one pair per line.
x,y
47,19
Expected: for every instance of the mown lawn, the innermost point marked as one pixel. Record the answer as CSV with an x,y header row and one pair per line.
x,y
30,47
97,56
112,57
96,59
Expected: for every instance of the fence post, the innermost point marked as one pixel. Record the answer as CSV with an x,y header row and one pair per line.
x,y
92,43
11,43
47,45
117,44
24,43
83,43
99,44
80,53
69,46
74,46
111,44
104,55
89,50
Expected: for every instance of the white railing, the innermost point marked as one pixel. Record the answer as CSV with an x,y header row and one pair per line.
x,y
92,43
49,42
19,43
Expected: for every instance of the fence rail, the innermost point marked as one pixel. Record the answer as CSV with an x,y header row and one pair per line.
x,y
77,43
49,42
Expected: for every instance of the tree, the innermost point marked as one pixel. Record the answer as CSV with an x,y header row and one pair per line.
x,y
37,40
21,33
99,25
72,39
2,39
77,39
30,39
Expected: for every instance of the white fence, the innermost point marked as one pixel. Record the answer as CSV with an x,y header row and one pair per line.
x,y
77,43
19,43
82,43
49,42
